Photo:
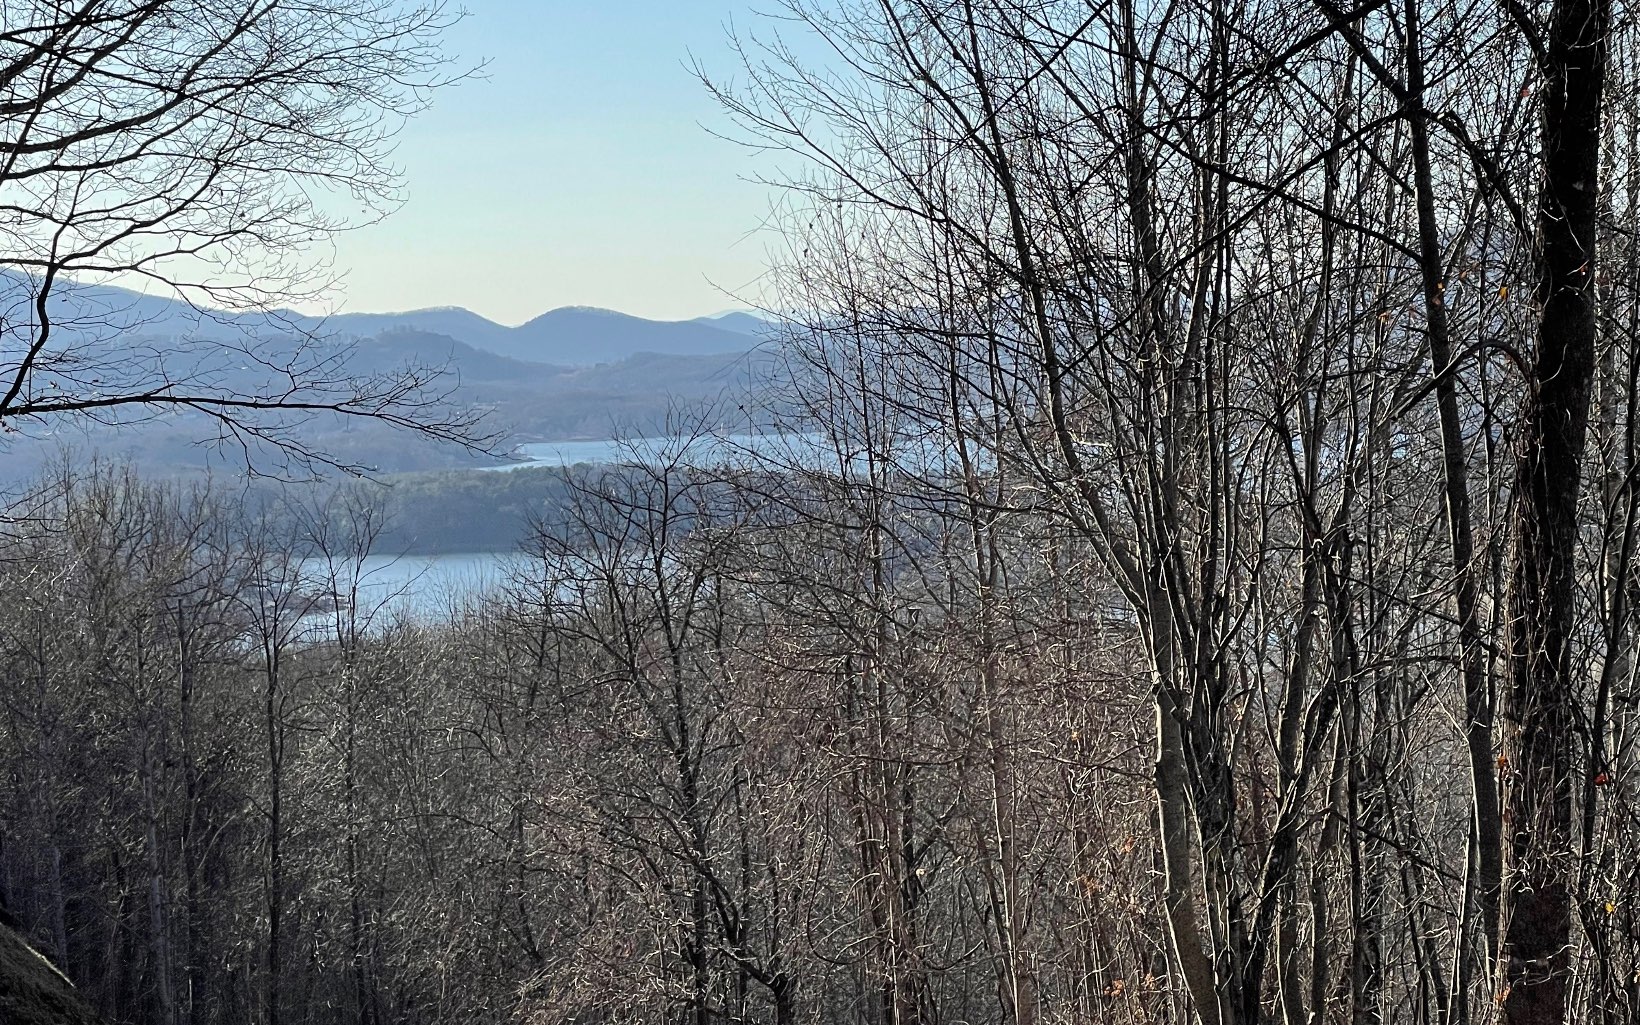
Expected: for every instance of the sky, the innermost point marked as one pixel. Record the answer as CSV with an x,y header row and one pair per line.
x,y
578,170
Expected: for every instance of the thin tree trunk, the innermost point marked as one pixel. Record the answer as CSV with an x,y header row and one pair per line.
x,y
1478,713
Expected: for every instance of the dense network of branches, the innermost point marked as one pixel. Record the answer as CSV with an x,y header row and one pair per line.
x,y
1198,588
205,150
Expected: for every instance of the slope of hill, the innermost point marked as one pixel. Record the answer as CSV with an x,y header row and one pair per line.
x,y
585,335
451,321
397,346
741,323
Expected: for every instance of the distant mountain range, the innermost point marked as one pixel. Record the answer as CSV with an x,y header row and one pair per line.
x,y
570,336
570,373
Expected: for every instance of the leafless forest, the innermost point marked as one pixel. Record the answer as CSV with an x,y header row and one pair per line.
x,y
1214,602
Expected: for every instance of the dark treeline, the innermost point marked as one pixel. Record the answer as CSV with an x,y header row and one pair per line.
x,y
440,511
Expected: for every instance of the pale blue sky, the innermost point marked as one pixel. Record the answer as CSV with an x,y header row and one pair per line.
x,y
576,171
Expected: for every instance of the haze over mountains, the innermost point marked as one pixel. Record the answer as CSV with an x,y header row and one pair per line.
x,y
570,373
569,336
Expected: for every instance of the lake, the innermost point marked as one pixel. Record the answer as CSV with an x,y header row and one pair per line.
x,y
428,586
924,454
423,586
728,450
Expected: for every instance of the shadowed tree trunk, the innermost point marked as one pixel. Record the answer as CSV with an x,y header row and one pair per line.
x,y
1541,708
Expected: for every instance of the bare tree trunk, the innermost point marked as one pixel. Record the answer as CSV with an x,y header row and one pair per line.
x,y
1478,712
1172,801
1542,699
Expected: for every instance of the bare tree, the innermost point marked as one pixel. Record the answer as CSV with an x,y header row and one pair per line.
x,y
207,149
1212,312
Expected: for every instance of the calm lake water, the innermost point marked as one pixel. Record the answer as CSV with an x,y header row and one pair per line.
x,y
798,450
730,450
424,586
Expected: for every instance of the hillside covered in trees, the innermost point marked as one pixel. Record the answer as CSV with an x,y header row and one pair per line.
x,y
1206,594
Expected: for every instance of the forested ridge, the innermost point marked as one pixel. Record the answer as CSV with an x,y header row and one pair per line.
x,y
1257,646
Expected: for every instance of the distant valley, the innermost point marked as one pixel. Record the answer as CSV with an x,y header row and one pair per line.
x,y
570,373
